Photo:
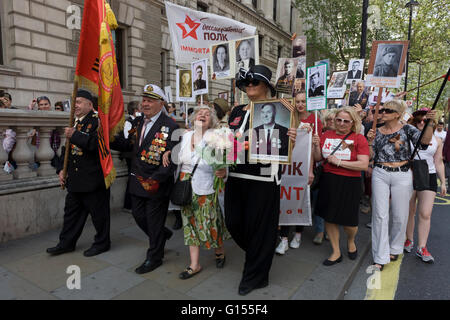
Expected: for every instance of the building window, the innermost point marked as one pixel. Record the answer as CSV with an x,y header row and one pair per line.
x,y
275,5
202,7
164,69
119,47
255,4
260,40
291,27
1,41
280,50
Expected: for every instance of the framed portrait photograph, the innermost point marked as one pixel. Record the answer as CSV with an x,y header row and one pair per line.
x,y
299,47
387,61
355,70
221,60
286,74
316,84
359,94
224,95
301,68
247,52
184,86
199,71
337,86
270,121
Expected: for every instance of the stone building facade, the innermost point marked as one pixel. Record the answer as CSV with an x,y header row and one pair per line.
x,y
40,41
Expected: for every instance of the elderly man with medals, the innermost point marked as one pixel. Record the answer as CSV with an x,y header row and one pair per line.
x,y
150,182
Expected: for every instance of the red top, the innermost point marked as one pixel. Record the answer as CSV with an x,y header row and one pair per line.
x,y
353,146
312,120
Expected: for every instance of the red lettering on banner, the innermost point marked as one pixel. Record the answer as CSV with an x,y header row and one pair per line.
x,y
288,195
296,168
195,50
300,211
283,169
289,212
286,192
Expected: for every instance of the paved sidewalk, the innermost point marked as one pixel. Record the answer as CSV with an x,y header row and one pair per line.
x,y
28,272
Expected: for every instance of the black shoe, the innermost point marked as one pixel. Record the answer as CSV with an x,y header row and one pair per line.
x,y
352,255
393,257
148,266
178,222
220,260
93,251
330,263
244,290
54,251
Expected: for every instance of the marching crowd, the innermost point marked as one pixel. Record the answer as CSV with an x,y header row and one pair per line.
x,y
352,161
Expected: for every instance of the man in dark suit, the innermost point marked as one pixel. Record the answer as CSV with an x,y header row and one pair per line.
x,y
150,181
199,83
359,96
355,73
87,193
271,138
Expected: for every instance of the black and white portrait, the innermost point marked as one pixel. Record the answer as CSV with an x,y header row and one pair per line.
x,y
301,68
355,70
316,81
299,47
286,74
199,71
221,60
246,53
387,61
337,86
269,124
184,86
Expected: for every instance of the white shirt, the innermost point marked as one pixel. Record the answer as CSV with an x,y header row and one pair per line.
x,y
151,123
428,154
203,178
441,134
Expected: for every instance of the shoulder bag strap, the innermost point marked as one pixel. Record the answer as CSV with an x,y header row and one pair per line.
x,y
336,149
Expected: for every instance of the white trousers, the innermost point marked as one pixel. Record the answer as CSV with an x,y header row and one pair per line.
x,y
399,186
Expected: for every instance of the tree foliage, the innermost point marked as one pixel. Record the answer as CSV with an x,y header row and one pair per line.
x,y
333,29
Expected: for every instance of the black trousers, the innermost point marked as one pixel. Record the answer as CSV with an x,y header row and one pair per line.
x,y
150,215
252,211
76,210
284,230
127,199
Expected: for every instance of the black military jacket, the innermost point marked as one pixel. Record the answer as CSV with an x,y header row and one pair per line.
x,y
146,161
84,171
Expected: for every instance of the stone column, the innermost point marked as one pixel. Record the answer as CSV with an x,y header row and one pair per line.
x,y
267,7
22,154
3,158
45,153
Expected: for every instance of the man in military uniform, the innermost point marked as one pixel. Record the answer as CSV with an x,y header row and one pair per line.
x,y
199,83
87,193
388,66
316,88
150,181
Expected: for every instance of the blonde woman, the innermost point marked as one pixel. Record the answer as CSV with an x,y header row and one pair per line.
x,y
203,223
392,178
347,154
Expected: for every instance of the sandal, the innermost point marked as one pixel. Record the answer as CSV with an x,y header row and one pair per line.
x,y
220,260
393,257
189,273
378,266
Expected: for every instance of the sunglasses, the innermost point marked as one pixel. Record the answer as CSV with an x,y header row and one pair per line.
x,y
387,111
254,82
343,120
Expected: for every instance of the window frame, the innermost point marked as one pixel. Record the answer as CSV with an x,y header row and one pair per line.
x,y
122,54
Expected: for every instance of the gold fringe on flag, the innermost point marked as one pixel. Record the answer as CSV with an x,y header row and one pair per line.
x,y
104,36
110,17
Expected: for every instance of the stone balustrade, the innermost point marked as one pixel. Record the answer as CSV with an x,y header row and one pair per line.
x,y
32,201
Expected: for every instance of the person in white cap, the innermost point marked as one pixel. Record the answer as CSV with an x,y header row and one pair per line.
x,y
150,181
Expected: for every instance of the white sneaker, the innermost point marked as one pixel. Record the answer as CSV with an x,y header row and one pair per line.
x,y
295,242
282,247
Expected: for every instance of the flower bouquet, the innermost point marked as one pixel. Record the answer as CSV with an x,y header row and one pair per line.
x,y
220,151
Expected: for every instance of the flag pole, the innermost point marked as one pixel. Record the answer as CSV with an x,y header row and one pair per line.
x,y
71,123
377,108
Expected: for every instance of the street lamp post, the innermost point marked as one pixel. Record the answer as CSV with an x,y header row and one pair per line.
x,y
409,5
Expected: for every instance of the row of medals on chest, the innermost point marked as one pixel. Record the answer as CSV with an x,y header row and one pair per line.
x,y
153,155
75,149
